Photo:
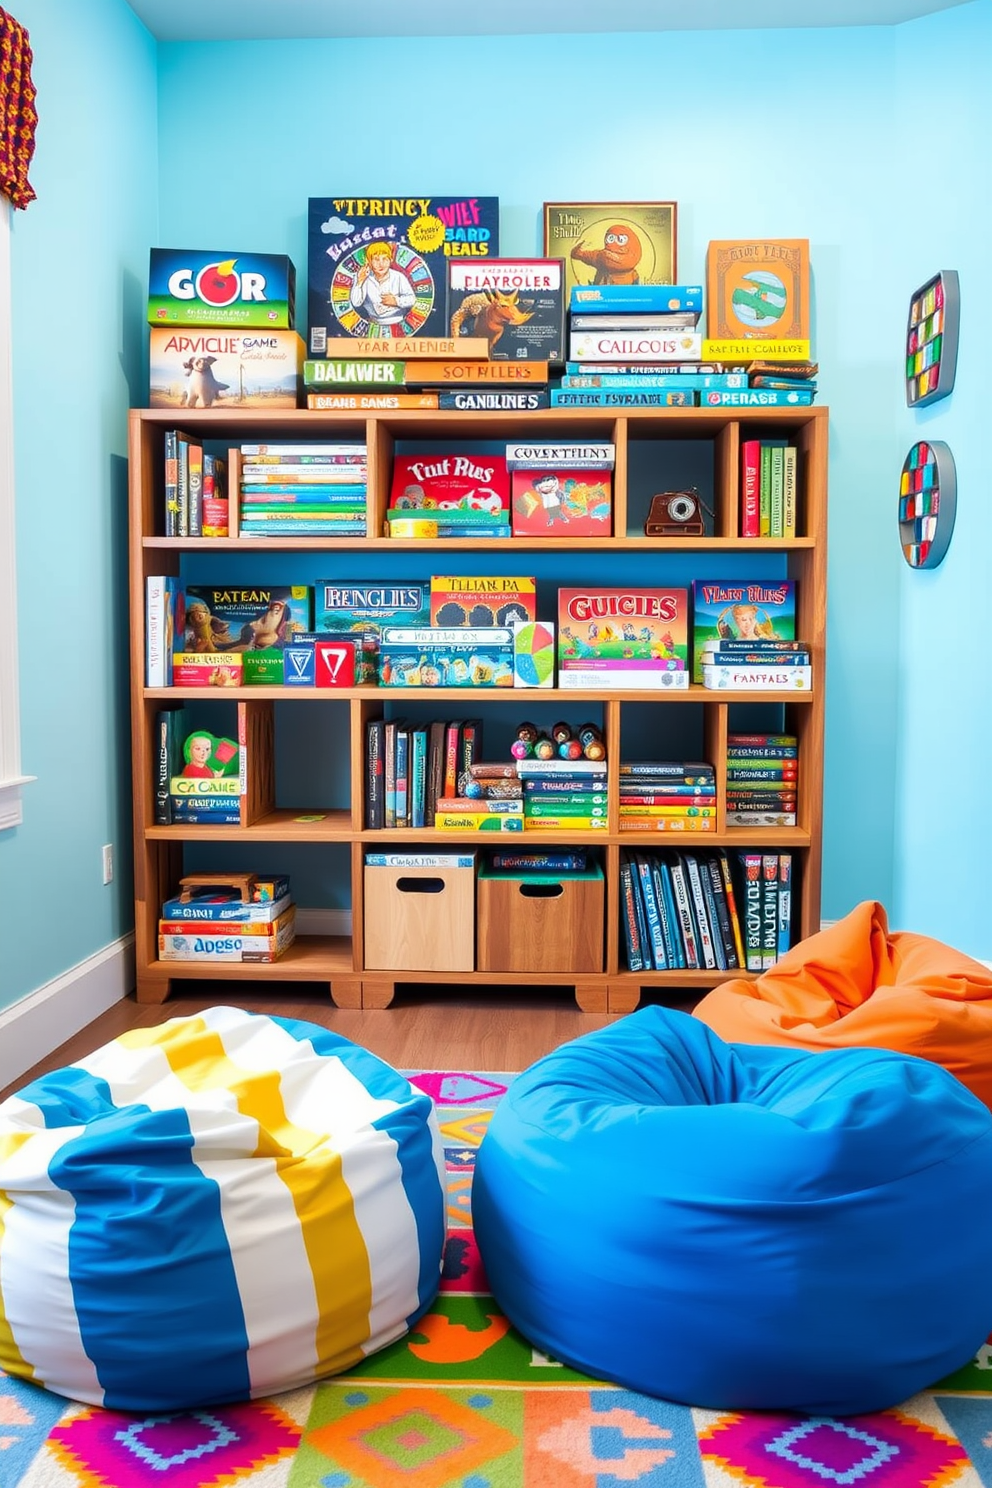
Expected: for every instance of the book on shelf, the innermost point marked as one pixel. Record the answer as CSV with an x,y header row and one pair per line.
x,y
607,398
630,919
647,382
769,910
758,679
161,592
750,870
216,512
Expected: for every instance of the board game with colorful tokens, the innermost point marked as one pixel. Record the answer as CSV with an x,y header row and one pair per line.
x,y
932,339
927,502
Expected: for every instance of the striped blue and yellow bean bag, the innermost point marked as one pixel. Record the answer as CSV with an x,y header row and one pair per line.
x,y
219,1208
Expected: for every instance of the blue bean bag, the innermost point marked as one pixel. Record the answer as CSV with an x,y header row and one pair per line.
x,y
219,1208
740,1227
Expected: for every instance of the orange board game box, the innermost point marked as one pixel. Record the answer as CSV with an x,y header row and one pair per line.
x,y
758,289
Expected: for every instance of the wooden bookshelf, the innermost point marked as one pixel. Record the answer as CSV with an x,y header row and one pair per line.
x,y
660,434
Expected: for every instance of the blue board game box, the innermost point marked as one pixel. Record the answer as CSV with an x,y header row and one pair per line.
x,y
377,266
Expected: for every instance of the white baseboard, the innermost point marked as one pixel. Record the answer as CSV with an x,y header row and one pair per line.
x,y
62,1007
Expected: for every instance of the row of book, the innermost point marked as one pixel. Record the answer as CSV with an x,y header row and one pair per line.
x,y
705,911
303,490
431,775
195,488
769,488
252,919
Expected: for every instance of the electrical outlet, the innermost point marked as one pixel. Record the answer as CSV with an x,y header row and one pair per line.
x,y
108,862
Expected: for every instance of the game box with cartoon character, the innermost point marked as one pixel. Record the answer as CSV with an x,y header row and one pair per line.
x,y
376,266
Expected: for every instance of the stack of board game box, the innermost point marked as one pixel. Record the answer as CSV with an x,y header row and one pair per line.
x,y
215,917
222,330
411,306
762,780
636,345
667,796
744,636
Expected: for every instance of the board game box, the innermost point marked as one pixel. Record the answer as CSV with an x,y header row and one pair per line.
x,y
485,601
436,656
758,288
200,368
450,482
364,607
250,622
740,610
517,304
562,503
191,286
635,638
377,266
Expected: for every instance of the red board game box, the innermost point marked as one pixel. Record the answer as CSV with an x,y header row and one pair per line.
x,y
562,503
450,483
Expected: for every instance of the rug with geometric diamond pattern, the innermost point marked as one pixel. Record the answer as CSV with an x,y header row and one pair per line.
x,y
464,1402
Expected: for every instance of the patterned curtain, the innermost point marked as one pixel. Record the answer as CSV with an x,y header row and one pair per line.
x,y
18,117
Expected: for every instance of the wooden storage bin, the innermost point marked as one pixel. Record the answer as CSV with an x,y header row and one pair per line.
x,y
540,922
420,918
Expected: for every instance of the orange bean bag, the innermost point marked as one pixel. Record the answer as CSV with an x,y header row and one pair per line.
x,y
856,985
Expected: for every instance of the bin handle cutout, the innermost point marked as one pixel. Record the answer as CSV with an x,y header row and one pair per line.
x,y
542,891
420,885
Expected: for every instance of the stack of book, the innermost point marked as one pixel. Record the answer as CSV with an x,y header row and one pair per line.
x,y
756,666
303,490
564,795
762,780
667,796
254,921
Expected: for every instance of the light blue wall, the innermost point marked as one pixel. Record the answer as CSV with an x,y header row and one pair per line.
x,y
944,783
79,265
790,133
595,118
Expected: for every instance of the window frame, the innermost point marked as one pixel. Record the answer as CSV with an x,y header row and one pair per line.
x,y
11,778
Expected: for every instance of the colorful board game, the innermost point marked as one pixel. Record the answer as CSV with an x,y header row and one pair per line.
x,y
562,503
488,600
932,339
636,638
758,289
927,503
740,610
613,242
377,266
517,304
194,287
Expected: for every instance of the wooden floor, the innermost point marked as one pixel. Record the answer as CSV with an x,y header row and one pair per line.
x,y
425,1028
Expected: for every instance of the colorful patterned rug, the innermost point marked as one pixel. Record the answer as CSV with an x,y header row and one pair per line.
x,y
464,1402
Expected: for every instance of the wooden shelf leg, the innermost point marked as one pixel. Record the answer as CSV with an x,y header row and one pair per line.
x,y
622,997
591,997
153,989
378,994
346,992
